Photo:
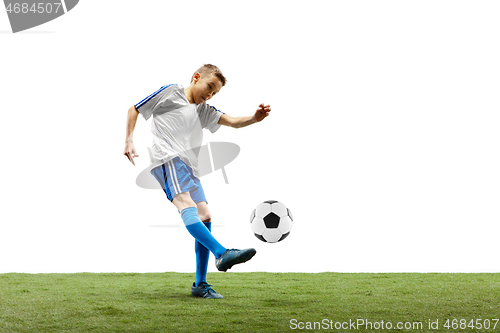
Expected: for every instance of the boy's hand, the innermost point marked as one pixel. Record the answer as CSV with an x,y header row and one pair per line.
x,y
262,112
130,152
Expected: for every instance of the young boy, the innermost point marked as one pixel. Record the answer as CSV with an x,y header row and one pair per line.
x,y
179,115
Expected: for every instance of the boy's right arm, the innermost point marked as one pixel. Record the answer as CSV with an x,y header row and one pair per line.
x,y
130,151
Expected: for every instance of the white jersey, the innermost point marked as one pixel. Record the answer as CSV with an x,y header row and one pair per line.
x,y
177,125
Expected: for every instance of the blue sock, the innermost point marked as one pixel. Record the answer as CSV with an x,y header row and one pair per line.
x,y
202,256
200,232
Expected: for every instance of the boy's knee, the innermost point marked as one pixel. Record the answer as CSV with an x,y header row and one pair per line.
x,y
206,217
183,200
204,212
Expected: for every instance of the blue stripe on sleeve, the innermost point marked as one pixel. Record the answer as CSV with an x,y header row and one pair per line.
x,y
147,99
210,106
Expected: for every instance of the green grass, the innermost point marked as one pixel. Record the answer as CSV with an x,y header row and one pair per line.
x,y
254,302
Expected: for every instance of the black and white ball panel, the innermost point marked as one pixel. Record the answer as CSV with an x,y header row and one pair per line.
x,y
271,221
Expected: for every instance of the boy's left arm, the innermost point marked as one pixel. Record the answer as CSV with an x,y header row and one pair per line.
x,y
237,122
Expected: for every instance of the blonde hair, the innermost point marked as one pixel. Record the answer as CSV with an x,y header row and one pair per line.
x,y
209,69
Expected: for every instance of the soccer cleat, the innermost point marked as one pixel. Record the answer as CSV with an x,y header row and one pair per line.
x,y
204,290
233,257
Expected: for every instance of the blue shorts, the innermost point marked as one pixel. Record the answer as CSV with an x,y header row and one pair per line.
x,y
177,177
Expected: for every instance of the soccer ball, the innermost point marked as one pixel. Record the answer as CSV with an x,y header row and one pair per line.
x,y
271,221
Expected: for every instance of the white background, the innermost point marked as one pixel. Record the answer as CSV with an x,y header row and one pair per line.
x,y
383,139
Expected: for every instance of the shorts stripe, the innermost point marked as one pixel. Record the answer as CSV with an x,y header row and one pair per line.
x,y
165,184
175,181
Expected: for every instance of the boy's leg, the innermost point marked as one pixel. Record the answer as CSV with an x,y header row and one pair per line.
x,y
177,180
225,258
200,287
192,221
202,253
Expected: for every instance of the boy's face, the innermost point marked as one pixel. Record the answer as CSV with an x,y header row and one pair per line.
x,y
205,87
